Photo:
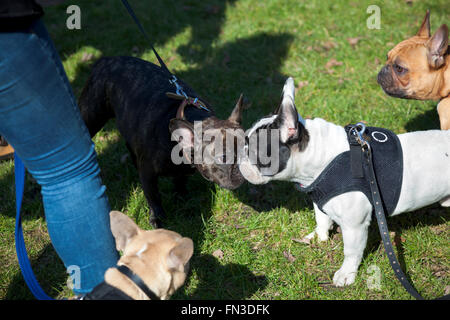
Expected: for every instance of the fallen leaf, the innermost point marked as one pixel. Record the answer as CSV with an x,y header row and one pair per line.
x,y
439,273
258,246
218,254
289,256
302,84
328,45
332,63
302,240
353,41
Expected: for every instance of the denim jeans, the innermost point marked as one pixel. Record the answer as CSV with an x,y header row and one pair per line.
x,y
39,117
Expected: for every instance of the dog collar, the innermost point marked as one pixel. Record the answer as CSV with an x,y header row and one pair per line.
x,y
105,291
137,281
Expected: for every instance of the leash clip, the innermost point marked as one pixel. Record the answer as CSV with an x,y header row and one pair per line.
x,y
179,89
358,130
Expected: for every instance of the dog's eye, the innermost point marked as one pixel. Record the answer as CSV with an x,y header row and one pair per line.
x,y
399,69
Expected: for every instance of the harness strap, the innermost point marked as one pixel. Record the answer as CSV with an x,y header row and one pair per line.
x,y
381,218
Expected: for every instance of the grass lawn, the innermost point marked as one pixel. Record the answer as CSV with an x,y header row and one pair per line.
x,y
244,240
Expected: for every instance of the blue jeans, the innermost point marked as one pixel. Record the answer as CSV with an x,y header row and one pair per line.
x,y
39,117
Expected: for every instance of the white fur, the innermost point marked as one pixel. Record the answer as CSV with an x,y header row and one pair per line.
x,y
260,123
426,180
141,251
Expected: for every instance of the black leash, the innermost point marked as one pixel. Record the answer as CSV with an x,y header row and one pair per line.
x,y
136,20
356,135
179,92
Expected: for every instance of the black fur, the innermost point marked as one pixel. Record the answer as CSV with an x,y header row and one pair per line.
x,y
300,140
133,91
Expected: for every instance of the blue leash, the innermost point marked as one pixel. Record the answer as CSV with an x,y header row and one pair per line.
x,y
19,170
22,256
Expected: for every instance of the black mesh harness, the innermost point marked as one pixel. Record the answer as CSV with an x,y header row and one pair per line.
x,y
347,171
374,166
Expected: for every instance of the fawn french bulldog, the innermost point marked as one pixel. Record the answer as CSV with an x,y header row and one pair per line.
x,y
156,263
418,68
133,91
307,148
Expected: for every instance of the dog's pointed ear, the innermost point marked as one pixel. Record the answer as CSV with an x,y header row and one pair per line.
x,y
179,255
122,228
287,112
424,30
182,132
236,114
437,47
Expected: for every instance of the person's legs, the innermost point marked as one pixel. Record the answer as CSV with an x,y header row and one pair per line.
x,y
40,119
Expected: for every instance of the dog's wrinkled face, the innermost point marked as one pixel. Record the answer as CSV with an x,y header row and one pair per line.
x,y
212,146
271,142
414,67
160,257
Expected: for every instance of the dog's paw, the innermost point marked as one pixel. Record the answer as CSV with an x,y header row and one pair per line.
x,y
321,235
343,277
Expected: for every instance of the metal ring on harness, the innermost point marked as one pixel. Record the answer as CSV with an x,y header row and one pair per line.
x,y
385,137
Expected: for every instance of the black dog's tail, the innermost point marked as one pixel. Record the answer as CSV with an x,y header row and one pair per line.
x,y
93,102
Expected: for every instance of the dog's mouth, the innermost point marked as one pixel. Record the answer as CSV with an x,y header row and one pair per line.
x,y
386,81
396,93
226,176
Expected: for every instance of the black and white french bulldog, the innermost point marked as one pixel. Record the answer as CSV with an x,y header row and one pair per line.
x,y
306,147
133,91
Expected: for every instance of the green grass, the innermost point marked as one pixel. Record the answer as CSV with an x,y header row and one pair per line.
x,y
223,48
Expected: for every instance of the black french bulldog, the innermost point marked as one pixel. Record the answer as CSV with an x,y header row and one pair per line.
x,y
133,91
